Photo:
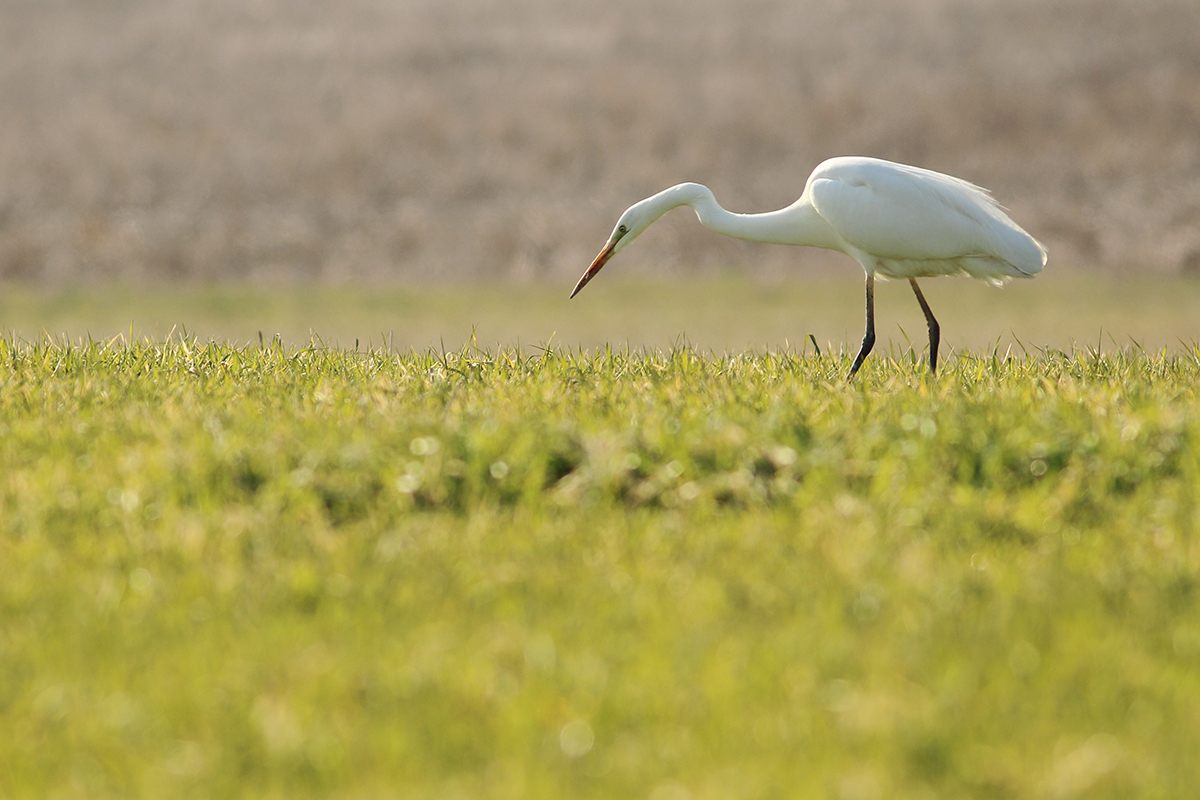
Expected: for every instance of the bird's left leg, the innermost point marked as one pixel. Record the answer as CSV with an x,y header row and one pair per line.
x,y
934,331
868,341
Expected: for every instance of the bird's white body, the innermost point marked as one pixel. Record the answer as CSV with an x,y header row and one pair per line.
x,y
895,220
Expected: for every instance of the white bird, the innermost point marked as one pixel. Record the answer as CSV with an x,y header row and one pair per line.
x,y
894,220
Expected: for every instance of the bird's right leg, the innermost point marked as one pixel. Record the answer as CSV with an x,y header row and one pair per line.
x,y
934,328
869,337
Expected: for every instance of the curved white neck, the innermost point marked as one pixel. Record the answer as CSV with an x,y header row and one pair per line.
x,y
798,224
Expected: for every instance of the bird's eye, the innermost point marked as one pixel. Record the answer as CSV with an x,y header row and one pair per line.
x,y
622,229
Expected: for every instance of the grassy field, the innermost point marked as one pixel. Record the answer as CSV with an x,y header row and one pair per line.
x,y
234,571
713,314
313,484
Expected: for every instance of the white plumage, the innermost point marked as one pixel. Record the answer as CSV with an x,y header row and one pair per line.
x,y
895,220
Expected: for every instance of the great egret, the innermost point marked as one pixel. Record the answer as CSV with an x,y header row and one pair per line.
x,y
896,221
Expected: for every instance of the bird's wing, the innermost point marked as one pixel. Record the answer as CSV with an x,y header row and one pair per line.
x,y
890,211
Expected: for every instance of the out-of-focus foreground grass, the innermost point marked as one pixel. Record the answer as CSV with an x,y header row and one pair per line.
x,y
275,572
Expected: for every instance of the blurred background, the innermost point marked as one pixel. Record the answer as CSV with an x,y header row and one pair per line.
x,y
425,168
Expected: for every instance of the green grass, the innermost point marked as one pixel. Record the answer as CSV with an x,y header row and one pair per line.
x,y
275,572
1060,310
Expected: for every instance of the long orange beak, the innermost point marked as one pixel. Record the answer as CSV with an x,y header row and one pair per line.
x,y
596,266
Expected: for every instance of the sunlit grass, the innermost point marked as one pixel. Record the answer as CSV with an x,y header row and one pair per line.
x,y
304,572
1060,310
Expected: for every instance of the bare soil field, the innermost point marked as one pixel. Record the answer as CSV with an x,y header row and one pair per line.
x,y
373,140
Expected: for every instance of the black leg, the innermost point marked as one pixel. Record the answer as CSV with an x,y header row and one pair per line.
x,y
869,337
935,332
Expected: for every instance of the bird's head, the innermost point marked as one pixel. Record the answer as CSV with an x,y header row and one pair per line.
x,y
635,220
